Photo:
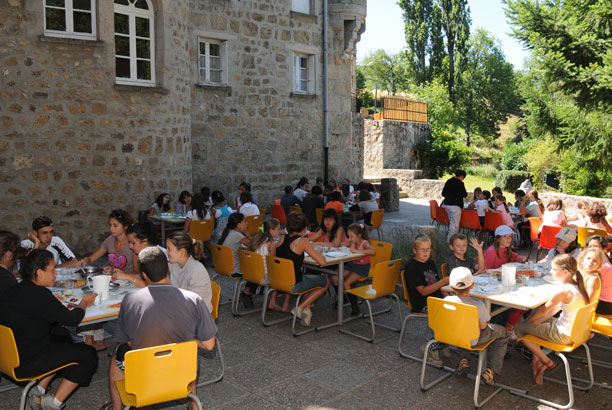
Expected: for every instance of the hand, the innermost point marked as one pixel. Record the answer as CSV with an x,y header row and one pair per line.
x,y
88,300
108,270
32,236
523,259
475,244
82,263
118,274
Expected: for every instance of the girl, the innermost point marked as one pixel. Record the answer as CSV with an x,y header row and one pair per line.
x,y
234,235
596,218
161,204
335,202
205,191
248,207
359,241
535,205
502,208
220,219
265,243
589,263
186,271
580,212
183,203
604,307
542,322
554,214
567,242
10,252
367,205
199,211
501,250
330,233
140,236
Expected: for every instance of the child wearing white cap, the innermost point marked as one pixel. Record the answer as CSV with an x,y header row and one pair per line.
x,y
461,281
501,250
566,243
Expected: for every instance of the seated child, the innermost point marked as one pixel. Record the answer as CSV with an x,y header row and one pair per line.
x,y
458,245
481,205
461,281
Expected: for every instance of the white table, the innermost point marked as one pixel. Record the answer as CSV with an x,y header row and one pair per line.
x,y
170,219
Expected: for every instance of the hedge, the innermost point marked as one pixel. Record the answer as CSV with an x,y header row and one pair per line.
x,y
510,180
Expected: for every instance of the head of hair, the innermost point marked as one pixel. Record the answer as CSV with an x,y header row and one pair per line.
x,y
455,237
184,195
596,210
144,230
335,196
263,236
486,194
496,244
303,181
519,193
316,190
330,213
460,173
246,197
123,217
370,187
32,262
9,242
296,222
555,204
245,185
420,238
319,181
205,191
217,197
160,202
502,199
567,262
361,185
232,223
364,195
345,188
601,241
182,240
477,190
198,205
601,258
329,187
288,189
496,190
153,263
41,222
359,229
581,204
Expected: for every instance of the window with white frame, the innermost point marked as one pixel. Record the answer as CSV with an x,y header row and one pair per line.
x,y
70,18
303,73
134,42
212,61
301,6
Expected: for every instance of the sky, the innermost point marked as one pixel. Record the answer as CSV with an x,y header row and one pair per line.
x,y
385,28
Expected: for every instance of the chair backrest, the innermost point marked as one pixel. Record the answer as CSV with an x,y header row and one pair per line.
x,y
433,208
444,270
253,223
277,202
280,273
295,208
469,219
223,259
442,216
377,218
581,329
492,221
262,210
277,211
201,229
453,323
9,355
584,233
214,300
534,228
383,254
161,373
319,212
405,288
252,266
547,237
386,277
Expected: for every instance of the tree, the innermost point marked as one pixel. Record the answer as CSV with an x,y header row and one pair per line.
x,y
456,24
390,71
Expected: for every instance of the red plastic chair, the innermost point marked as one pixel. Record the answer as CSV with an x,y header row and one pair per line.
x,y
442,216
492,221
433,208
469,220
534,231
547,238
277,211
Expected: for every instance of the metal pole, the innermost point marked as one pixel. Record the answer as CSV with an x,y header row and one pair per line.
x,y
325,99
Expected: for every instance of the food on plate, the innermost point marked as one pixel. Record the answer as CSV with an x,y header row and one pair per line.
x,y
528,272
71,306
114,306
79,283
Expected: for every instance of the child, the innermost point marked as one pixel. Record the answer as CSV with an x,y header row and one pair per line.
x,y
579,213
566,243
359,241
458,245
335,202
554,215
589,264
289,199
604,307
248,207
481,205
502,208
477,194
461,281
199,211
542,322
243,187
225,211
184,203
234,235
330,233
161,204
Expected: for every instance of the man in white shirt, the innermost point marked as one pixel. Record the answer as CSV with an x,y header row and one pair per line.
x,y
42,237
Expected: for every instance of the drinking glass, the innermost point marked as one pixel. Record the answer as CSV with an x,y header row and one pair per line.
x,y
69,284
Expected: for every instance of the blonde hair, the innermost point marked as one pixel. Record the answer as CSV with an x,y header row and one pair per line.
x,y
567,262
600,257
555,204
420,238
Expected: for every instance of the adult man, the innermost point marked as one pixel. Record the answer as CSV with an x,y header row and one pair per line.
x,y
453,193
42,237
158,314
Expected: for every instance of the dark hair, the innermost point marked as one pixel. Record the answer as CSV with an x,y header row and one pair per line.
x,y
217,196
567,262
41,222
246,197
160,202
32,262
153,263
596,210
456,237
520,193
370,187
9,242
359,229
460,173
122,216
245,185
296,222
198,205
288,189
319,180
205,191
232,223
364,195
486,194
301,182
327,214
184,195
603,242
316,190
335,196
182,240
345,187
329,187
263,236
503,199
144,230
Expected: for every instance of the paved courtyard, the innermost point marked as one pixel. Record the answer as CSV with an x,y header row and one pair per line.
x,y
267,368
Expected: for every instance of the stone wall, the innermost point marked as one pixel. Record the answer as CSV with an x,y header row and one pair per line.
x,y
570,202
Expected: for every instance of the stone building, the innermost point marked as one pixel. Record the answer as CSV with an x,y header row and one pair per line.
x,y
105,104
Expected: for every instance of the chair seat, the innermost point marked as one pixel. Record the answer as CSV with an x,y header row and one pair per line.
x,y
602,324
548,344
126,398
364,292
482,346
301,293
40,376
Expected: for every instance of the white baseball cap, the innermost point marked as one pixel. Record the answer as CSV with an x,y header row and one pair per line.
x,y
502,230
567,234
461,278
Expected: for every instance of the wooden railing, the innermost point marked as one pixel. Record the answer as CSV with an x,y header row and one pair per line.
x,y
401,109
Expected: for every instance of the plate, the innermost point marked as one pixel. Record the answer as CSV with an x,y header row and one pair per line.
x,y
494,271
491,289
69,301
551,279
336,254
481,279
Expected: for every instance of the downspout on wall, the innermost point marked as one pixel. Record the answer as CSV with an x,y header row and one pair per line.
x,y
325,99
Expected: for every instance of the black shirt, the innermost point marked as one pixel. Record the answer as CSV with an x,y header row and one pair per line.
x,y
310,205
284,251
31,311
420,274
7,280
454,192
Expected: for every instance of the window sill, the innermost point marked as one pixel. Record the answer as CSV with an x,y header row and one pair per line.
x,y
303,96
70,40
220,88
141,89
311,17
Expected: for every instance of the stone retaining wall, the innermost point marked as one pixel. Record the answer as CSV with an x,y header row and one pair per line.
x,y
571,201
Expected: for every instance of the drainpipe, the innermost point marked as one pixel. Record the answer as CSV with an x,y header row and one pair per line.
x,y
325,99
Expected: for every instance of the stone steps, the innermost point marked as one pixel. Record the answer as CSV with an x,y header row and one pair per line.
x,y
376,180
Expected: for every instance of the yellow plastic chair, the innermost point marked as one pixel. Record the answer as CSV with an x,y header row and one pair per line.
x,y
385,279
383,254
262,210
253,269
319,213
223,262
409,316
455,324
584,233
295,208
159,374
216,296
201,229
253,223
282,277
9,361
376,221
444,270
581,330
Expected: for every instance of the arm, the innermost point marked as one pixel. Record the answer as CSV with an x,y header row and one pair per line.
x,y
428,290
606,225
305,246
91,258
32,236
518,258
339,238
272,248
187,225
368,250
318,234
207,344
592,286
478,246
551,307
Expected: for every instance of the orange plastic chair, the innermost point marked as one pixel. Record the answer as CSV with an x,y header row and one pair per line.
x,y
442,217
277,211
492,221
547,239
469,220
216,295
253,269
319,212
534,231
376,221
408,316
433,209
295,208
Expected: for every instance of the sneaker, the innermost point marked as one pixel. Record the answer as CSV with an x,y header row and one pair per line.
x,y
306,316
35,398
433,357
247,300
299,312
46,403
446,353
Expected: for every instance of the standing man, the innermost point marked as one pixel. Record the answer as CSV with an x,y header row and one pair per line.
x,y
42,237
453,193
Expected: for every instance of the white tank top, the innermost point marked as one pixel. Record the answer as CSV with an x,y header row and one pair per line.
x,y
568,310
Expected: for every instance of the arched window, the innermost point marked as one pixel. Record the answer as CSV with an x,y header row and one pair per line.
x,y
134,42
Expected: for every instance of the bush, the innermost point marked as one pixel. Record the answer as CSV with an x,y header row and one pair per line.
x,y
442,153
510,180
483,170
513,155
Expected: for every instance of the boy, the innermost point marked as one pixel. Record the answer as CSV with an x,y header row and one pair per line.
x,y
458,245
461,281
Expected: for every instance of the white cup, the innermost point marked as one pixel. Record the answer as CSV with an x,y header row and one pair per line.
x,y
100,284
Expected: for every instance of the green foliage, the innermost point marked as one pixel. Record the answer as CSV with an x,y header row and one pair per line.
x,y
579,176
361,80
442,153
513,154
390,71
367,99
441,113
483,170
542,158
510,180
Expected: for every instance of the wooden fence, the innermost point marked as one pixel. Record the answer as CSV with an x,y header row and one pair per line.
x,y
400,109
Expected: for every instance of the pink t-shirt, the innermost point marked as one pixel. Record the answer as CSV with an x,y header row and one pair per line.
x,y
492,261
553,218
505,215
606,282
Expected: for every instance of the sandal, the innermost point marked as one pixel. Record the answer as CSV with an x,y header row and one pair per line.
x,y
463,368
489,377
107,405
538,377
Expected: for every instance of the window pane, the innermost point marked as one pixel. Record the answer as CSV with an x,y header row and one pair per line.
x,y
143,70
122,2
215,63
215,76
304,86
142,48
56,3
142,4
55,19
142,27
202,61
202,76
122,67
122,23
303,62
81,4
202,48
215,50
122,46
82,22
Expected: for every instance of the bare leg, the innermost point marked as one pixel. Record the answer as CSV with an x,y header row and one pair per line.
x,y
273,305
114,374
286,307
44,382
64,389
349,279
192,403
312,296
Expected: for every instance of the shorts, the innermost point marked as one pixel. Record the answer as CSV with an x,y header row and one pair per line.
x,y
547,330
604,308
362,270
120,350
309,281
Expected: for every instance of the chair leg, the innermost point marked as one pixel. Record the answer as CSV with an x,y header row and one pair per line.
x,y
477,404
220,377
24,394
424,363
236,310
303,332
367,339
196,399
264,308
399,346
589,383
399,310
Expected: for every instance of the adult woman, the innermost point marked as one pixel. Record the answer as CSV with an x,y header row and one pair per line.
x,y
293,248
301,189
330,233
501,250
596,218
566,243
184,203
36,316
9,252
367,205
161,204
186,271
140,236
589,264
604,307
